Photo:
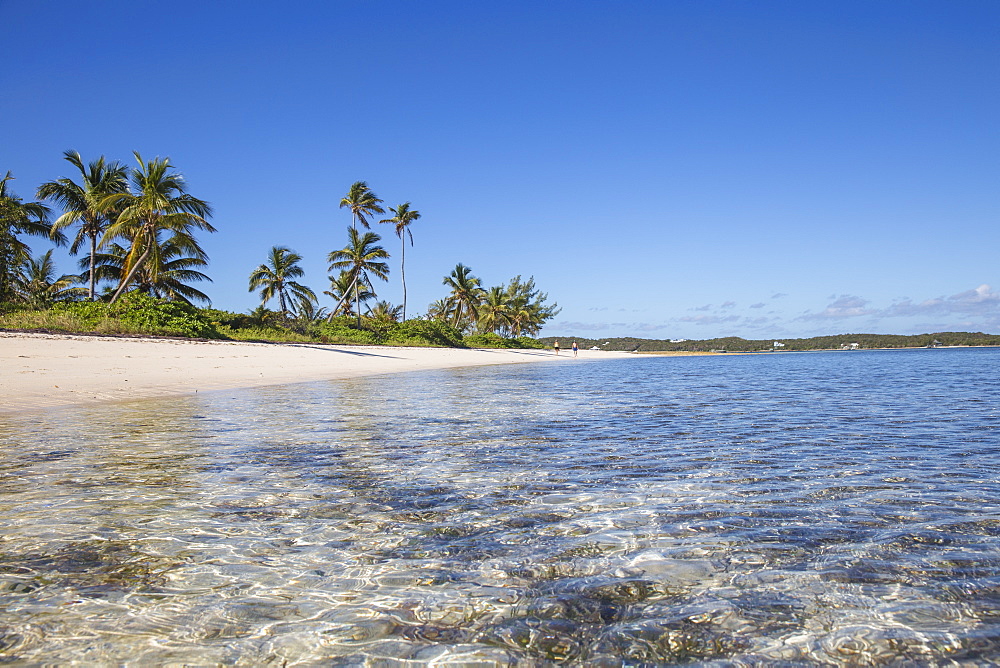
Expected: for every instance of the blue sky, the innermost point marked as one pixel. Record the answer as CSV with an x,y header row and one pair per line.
x,y
663,169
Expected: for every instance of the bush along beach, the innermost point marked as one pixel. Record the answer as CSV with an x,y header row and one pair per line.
x,y
142,267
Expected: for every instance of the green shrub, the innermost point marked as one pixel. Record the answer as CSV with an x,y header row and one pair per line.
x,y
489,340
529,343
339,331
12,307
424,333
267,334
145,314
49,319
88,316
228,318
135,313
379,328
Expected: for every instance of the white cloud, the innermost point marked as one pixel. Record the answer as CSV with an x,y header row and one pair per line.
x,y
982,298
709,319
980,301
649,327
584,326
844,306
567,326
977,309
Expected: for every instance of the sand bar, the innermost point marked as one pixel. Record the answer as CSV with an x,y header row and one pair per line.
x,y
48,370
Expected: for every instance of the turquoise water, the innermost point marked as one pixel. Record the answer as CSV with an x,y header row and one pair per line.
x,y
837,508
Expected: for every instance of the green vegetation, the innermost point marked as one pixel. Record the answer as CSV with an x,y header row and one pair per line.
x,y
158,205
491,340
39,285
135,313
360,259
83,204
734,344
138,313
139,227
510,310
19,218
403,217
263,325
273,279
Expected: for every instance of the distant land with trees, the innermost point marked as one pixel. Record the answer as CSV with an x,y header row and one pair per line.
x,y
735,344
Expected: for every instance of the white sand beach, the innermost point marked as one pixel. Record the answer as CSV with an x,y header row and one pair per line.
x,y
48,370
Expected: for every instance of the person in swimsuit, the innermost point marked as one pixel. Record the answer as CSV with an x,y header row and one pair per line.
x,y
556,346
575,349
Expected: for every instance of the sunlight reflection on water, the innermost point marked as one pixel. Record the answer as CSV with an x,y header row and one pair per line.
x,y
838,508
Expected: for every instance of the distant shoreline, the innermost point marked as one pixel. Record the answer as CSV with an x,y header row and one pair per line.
x,y
732,344
676,353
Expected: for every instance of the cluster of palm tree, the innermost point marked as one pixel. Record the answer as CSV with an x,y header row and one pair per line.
x,y
18,218
138,225
516,309
39,286
355,266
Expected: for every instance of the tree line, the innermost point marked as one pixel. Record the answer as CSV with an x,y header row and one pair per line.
x,y
508,310
139,226
837,342
139,229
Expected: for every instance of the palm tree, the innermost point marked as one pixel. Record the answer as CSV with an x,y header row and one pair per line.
x,y
166,274
41,288
466,295
157,204
385,312
361,257
306,314
262,317
340,289
529,309
441,309
18,217
274,279
84,203
403,217
309,311
362,202
494,311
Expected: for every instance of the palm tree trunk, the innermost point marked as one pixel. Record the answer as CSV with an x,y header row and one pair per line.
x,y
345,297
402,272
357,299
93,254
131,274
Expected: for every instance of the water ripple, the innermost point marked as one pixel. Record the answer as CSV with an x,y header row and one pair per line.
x,y
839,509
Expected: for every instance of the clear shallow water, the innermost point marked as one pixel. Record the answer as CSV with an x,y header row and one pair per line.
x,y
838,508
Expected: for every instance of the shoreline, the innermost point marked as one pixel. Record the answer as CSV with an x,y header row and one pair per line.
x,y
40,371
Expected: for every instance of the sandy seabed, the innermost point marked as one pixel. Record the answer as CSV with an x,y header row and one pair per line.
x,y
48,370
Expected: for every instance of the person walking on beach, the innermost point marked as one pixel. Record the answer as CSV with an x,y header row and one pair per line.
x,y
575,349
556,346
